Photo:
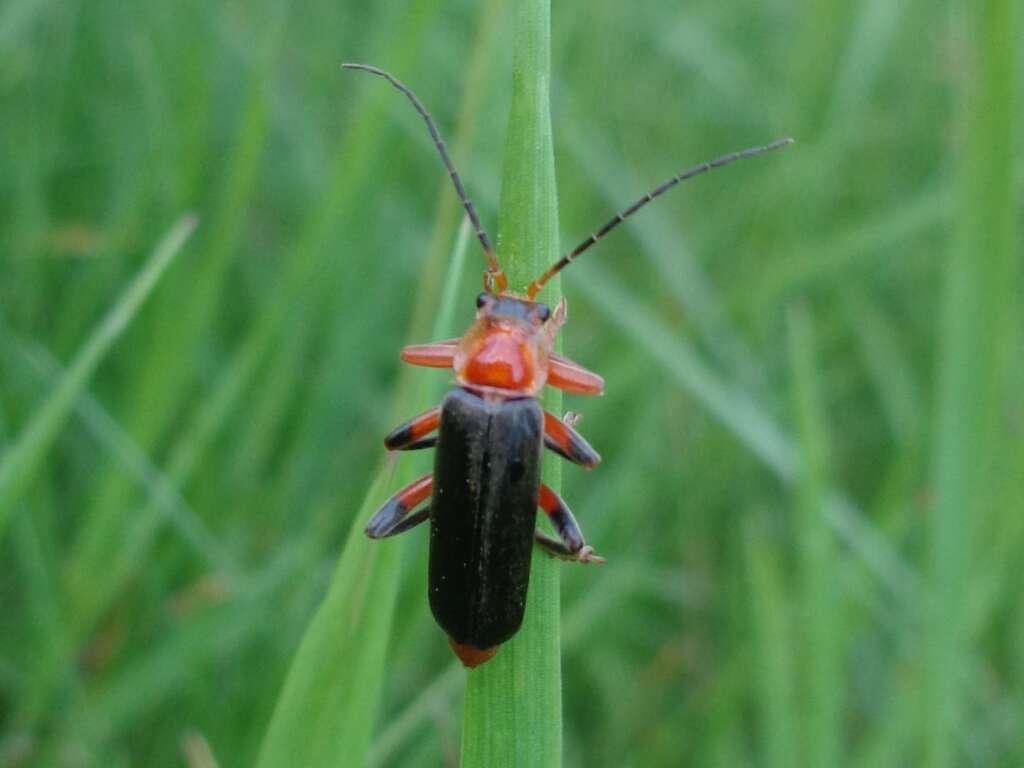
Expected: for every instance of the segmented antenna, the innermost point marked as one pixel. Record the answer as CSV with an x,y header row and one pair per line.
x,y
696,170
497,277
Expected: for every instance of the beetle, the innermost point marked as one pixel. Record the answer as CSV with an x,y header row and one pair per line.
x,y
489,433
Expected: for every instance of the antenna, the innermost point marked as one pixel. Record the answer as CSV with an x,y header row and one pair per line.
x,y
497,277
689,173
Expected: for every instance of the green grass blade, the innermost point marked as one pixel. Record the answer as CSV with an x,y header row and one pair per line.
x,y
294,288
889,366
326,710
661,241
43,369
19,464
513,714
744,416
772,643
434,698
976,322
45,623
840,253
325,714
160,375
820,605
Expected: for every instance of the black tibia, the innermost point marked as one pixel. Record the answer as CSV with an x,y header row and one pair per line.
x,y
410,521
483,512
392,512
410,435
560,437
419,445
551,445
572,546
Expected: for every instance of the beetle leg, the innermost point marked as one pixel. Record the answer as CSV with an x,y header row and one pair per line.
x,y
440,354
419,445
560,437
409,436
394,511
567,375
571,546
556,548
410,521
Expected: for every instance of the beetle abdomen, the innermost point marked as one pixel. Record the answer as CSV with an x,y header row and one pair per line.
x,y
482,515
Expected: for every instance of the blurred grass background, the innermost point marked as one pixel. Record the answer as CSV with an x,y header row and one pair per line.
x,y
791,579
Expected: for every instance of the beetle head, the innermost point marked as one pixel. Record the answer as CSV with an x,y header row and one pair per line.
x,y
505,352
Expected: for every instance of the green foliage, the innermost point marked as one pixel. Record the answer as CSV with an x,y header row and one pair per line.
x,y
980,335
813,474
20,463
317,719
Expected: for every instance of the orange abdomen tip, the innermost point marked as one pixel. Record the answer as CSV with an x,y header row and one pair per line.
x,y
472,657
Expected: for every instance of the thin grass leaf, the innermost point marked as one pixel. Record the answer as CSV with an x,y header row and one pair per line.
x,y
746,418
147,680
774,665
325,714
875,235
45,623
513,709
661,243
144,682
433,698
861,67
886,743
977,313
888,365
293,288
160,375
197,752
820,605
319,720
22,460
43,368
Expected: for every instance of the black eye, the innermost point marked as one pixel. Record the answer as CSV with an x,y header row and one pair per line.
x,y
543,313
482,299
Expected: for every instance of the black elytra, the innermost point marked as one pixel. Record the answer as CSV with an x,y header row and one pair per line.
x,y
482,515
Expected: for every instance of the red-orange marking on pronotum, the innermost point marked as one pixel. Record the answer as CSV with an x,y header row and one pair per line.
x,y
503,360
505,352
